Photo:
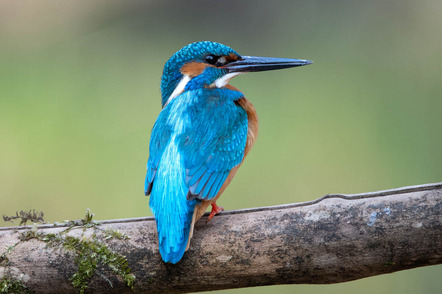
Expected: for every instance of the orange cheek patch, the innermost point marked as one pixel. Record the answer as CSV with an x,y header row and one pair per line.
x,y
232,57
193,69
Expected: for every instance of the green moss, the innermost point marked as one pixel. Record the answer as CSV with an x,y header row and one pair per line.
x,y
89,253
114,234
3,257
12,286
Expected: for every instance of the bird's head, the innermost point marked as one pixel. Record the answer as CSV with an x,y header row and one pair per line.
x,y
210,64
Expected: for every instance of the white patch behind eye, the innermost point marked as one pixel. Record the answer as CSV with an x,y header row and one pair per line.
x,y
179,89
225,79
222,60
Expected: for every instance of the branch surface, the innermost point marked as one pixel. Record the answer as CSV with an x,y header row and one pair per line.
x,y
334,239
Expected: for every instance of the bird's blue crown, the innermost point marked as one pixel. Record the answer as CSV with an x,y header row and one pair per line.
x,y
197,52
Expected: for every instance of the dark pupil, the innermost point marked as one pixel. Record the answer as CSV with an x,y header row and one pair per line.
x,y
211,59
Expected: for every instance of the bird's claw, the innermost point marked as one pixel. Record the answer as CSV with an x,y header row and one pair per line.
x,y
215,210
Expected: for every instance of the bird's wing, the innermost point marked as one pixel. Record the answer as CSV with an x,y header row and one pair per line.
x,y
211,134
214,149
161,134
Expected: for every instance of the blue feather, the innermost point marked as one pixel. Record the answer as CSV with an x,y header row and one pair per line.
x,y
199,136
217,121
195,177
173,212
208,186
188,160
202,182
214,189
171,73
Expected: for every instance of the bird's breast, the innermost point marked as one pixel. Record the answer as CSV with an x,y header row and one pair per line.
x,y
252,117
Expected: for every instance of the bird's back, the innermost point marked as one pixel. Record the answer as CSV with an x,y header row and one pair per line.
x,y
197,139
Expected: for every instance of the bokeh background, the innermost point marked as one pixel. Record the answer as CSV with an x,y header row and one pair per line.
x,y
79,93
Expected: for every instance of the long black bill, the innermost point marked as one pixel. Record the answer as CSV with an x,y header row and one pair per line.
x,y
255,63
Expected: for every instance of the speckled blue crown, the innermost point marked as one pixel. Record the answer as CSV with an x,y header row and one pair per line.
x,y
193,52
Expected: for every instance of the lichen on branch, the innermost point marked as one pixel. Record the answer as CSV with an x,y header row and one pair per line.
x,y
89,252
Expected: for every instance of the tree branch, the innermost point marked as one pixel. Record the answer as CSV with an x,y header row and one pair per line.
x,y
334,239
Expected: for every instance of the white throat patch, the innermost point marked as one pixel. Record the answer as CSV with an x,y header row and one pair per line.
x,y
225,79
219,83
179,89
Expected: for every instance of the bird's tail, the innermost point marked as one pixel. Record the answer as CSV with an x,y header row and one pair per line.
x,y
173,212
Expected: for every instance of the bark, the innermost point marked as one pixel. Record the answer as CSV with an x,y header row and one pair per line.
x,y
334,239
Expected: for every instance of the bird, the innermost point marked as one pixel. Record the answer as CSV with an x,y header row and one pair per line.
x,y
203,133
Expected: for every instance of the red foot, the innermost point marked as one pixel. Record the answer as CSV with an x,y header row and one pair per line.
x,y
215,210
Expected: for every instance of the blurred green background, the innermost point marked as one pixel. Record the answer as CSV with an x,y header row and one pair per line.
x,y
79,93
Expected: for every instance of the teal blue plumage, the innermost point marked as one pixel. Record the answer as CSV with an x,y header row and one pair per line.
x,y
199,137
193,52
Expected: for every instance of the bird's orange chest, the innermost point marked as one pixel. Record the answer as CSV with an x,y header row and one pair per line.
x,y
252,117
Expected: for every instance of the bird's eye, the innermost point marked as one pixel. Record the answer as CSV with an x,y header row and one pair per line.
x,y
211,59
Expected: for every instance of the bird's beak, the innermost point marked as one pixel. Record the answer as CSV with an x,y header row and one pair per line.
x,y
254,63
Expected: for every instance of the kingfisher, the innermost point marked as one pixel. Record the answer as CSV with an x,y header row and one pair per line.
x,y
203,133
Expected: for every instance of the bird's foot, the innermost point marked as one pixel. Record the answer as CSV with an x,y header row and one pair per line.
x,y
215,210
